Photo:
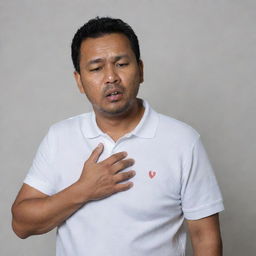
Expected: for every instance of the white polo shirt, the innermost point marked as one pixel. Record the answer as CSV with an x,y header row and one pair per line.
x,y
174,180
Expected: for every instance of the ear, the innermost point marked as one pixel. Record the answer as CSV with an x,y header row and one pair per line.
x,y
141,70
77,77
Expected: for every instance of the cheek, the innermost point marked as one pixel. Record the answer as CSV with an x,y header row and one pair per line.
x,y
91,86
135,82
93,91
132,78
89,81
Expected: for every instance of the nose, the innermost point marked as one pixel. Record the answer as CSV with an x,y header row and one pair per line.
x,y
111,75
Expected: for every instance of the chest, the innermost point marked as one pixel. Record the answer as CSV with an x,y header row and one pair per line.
x,y
156,189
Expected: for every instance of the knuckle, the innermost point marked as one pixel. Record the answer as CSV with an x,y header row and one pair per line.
x,y
124,164
101,164
116,157
118,166
85,164
130,162
116,189
113,157
127,175
112,181
107,166
119,155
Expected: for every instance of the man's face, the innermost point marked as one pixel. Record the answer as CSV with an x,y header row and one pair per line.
x,y
109,74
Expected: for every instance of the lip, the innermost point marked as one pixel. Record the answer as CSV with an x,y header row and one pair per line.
x,y
115,97
109,92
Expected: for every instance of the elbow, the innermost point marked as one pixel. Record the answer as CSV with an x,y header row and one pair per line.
x,y
21,233
17,227
23,224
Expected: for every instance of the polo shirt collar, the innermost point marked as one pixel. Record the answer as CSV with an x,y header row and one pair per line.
x,y
146,128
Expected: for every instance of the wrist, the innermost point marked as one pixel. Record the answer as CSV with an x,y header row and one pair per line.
x,y
80,192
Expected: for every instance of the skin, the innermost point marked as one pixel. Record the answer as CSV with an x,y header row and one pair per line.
x,y
107,64
36,213
205,236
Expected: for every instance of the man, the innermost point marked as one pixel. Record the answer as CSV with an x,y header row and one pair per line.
x,y
121,179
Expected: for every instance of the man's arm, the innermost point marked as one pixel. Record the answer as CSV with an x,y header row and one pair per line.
x,y
37,213
205,236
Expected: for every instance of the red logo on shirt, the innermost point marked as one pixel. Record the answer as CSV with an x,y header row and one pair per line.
x,y
152,174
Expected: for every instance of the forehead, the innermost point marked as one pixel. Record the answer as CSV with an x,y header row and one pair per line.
x,y
108,45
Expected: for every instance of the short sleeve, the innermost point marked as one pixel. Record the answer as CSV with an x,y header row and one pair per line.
x,y
41,174
200,193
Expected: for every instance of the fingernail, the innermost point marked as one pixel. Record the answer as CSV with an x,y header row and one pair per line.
x,y
100,145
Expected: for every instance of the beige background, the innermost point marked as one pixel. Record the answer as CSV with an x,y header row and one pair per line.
x,y
200,61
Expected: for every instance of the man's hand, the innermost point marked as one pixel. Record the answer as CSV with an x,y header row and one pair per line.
x,y
36,213
103,179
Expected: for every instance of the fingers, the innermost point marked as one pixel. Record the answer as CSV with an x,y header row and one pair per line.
x,y
123,187
96,153
122,165
124,176
114,158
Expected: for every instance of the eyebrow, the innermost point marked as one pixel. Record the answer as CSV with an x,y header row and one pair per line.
x,y
99,60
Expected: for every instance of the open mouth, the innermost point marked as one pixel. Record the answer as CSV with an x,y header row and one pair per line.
x,y
113,93
114,96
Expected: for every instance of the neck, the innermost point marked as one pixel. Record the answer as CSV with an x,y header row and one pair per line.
x,y
118,126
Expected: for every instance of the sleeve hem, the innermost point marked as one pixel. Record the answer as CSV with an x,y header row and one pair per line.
x,y
39,185
204,212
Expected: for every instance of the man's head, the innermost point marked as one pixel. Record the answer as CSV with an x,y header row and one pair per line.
x,y
108,69
98,27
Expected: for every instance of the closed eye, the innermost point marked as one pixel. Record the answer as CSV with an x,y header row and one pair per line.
x,y
122,64
95,69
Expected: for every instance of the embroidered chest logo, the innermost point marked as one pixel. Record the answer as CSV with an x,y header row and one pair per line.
x,y
152,174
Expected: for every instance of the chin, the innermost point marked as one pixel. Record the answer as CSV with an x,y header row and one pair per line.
x,y
117,111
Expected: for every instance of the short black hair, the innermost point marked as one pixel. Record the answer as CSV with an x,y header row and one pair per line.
x,y
98,27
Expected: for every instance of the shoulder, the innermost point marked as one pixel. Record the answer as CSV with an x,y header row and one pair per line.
x,y
176,131
69,125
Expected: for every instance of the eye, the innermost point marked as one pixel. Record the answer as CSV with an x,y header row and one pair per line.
x,y
122,64
95,69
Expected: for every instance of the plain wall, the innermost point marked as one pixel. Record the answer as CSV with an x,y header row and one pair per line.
x,y
200,61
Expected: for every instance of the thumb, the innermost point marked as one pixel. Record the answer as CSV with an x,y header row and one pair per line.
x,y
96,153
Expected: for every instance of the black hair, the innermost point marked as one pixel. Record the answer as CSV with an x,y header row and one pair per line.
x,y
98,27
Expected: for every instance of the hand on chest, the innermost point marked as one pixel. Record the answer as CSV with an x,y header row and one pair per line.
x,y
156,183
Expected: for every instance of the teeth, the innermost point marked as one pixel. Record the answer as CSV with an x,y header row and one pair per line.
x,y
114,93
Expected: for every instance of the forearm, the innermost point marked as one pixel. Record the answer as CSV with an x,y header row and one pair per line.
x,y
40,215
207,247
206,236
36,213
